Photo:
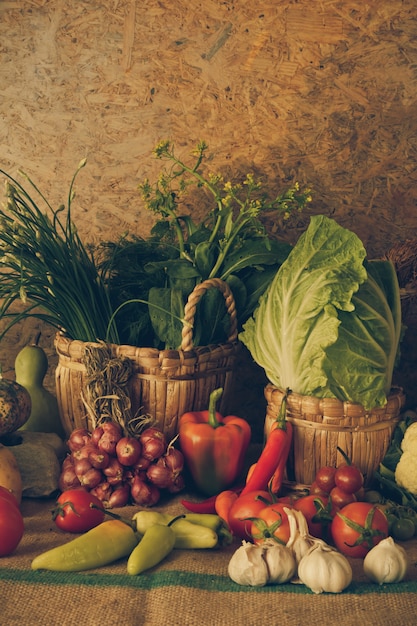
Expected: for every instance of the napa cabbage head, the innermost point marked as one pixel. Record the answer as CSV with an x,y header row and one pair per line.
x,y
329,323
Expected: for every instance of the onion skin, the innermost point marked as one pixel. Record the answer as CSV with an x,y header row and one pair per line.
x,y
144,493
78,439
128,450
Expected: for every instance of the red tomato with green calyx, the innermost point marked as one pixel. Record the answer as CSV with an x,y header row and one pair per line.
x,y
271,523
245,507
318,511
74,512
357,528
11,527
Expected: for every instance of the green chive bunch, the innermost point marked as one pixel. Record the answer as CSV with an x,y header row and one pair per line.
x,y
45,267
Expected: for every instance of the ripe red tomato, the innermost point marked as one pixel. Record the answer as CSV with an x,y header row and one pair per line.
x,y
11,527
248,505
349,478
341,498
316,490
8,496
73,512
318,513
357,528
272,522
325,478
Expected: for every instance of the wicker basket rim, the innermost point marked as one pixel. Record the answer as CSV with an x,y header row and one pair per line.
x,y
337,408
74,349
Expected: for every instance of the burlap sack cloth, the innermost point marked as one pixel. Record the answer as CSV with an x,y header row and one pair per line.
x,y
190,588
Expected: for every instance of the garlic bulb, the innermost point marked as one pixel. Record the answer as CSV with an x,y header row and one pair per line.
x,y
248,567
259,565
386,562
280,561
300,540
323,568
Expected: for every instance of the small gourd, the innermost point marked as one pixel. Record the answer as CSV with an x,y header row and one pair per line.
x,y
31,365
15,405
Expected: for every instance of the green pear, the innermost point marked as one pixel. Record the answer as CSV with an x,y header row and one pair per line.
x,y
31,365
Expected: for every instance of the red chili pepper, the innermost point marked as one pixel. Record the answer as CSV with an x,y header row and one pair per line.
x,y
206,506
278,476
213,446
224,502
272,453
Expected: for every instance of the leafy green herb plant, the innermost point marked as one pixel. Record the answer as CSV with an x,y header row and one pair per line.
x,y
229,243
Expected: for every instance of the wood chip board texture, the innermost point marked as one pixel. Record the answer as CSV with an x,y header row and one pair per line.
x,y
323,92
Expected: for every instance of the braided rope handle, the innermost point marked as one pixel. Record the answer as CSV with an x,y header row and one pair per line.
x,y
190,309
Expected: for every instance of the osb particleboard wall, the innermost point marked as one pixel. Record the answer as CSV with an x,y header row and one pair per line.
x,y
323,92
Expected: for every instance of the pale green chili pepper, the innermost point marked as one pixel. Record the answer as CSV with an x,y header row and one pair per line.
x,y
107,542
157,542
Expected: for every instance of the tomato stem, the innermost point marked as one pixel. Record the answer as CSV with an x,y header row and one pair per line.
x,y
344,455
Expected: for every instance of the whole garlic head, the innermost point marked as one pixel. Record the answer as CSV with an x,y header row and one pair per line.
x,y
323,568
386,562
261,564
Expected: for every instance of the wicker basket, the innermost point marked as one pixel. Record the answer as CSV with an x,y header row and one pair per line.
x,y
322,424
163,383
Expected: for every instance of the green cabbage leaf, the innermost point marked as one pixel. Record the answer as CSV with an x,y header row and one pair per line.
x,y
329,323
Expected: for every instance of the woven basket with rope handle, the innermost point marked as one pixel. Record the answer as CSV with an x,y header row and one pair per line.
x,y
163,384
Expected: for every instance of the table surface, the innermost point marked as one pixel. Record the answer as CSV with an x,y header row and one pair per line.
x,y
189,587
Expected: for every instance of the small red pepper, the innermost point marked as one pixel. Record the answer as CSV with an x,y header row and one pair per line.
x,y
224,502
206,506
213,446
275,450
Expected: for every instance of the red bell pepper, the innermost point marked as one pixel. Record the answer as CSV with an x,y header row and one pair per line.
x,y
213,446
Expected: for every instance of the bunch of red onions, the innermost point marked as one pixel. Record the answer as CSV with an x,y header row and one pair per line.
x,y
120,469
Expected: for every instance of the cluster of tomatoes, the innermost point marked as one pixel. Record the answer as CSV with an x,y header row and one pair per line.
x,y
333,509
11,522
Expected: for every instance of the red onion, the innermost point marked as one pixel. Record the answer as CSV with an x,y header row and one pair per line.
x,y
98,458
82,453
107,442
91,478
78,438
153,443
68,462
177,485
143,493
103,492
120,496
96,434
160,475
128,450
112,427
68,479
81,466
174,459
141,465
114,472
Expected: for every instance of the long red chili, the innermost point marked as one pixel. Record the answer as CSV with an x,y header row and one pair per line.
x,y
278,476
272,453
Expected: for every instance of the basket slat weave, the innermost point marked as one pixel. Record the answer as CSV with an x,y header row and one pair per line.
x,y
320,425
164,383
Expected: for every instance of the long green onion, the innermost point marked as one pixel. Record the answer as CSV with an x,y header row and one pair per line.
x,y
45,266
